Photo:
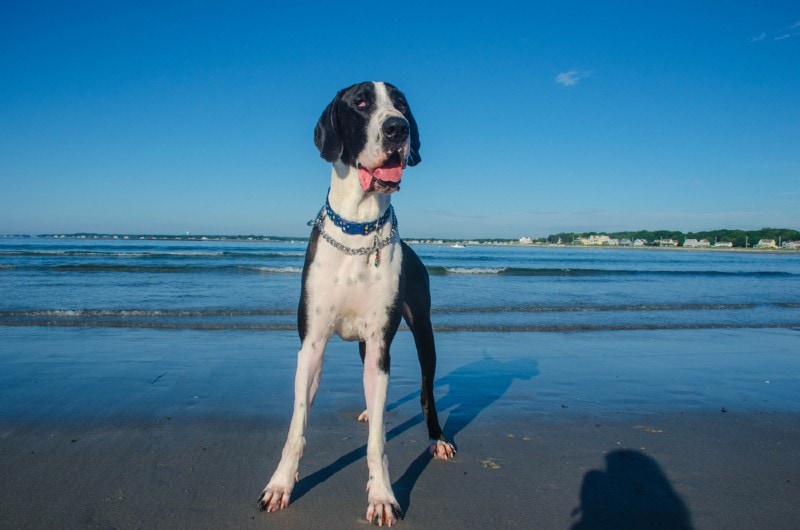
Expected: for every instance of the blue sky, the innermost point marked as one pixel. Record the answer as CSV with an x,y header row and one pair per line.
x,y
535,118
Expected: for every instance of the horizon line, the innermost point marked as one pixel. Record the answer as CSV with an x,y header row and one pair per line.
x,y
262,237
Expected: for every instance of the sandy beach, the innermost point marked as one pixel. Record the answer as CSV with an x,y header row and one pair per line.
x,y
138,428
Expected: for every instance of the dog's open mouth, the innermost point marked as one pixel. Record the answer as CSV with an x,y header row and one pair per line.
x,y
384,179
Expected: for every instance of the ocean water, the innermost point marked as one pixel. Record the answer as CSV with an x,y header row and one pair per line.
x,y
255,285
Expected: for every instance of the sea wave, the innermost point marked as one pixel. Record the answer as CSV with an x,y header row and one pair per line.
x,y
470,270
500,318
575,272
280,270
147,313
159,268
290,263
215,312
600,308
446,328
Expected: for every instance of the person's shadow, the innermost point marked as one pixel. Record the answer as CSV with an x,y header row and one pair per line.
x,y
633,492
470,390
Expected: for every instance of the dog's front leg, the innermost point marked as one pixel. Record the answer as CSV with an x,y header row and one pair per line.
x,y
383,506
277,494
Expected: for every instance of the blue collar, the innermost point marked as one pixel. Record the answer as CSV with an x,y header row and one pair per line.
x,y
353,228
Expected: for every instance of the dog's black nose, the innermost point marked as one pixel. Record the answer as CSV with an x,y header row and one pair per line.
x,y
395,128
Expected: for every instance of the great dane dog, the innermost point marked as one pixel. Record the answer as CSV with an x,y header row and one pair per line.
x,y
359,279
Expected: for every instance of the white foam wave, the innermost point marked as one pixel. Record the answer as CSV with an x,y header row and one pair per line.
x,y
280,270
475,270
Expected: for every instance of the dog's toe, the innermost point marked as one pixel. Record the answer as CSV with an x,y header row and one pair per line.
x,y
442,450
383,513
274,498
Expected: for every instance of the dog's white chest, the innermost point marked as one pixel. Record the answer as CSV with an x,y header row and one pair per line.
x,y
349,295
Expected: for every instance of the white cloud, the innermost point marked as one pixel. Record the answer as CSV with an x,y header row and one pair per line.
x,y
571,77
792,32
787,35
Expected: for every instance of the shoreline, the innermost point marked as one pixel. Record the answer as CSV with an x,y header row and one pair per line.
x,y
162,429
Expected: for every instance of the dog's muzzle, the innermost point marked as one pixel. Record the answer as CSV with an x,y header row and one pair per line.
x,y
386,178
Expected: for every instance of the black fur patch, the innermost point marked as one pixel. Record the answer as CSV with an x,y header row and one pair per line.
x,y
302,308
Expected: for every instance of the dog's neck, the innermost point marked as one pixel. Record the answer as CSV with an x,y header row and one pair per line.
x,y
349,200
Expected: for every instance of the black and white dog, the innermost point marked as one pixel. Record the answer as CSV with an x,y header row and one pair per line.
x,y
359,279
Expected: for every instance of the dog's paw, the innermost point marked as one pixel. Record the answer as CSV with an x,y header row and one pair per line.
x,y
274,497
363,417
442,450
383,507
384,513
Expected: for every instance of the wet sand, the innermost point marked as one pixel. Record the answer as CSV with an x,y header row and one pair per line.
x,y
181,429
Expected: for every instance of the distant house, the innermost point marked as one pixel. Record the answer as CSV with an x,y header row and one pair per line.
x,y
666,243
525,240
791,245
596,240
694,243
625,242
723,244
766,243
640,243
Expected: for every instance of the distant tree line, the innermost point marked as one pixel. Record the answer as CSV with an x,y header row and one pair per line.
x,y
739,238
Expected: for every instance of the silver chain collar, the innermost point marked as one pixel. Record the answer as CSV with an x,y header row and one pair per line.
x,y
377,243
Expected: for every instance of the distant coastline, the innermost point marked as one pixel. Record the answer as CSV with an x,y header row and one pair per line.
x,y
767,239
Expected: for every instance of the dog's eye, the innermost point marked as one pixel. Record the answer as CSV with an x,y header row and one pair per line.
x,y
361,103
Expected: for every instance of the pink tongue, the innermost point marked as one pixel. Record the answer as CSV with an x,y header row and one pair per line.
x,y
386,174
389,174
365,178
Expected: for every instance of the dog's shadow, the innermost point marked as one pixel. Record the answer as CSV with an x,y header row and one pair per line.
x,y
470,390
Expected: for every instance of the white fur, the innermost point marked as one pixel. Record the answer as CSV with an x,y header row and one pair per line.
x,y
373,155
347,294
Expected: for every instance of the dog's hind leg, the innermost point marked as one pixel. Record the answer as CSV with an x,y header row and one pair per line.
x,y
422,330
417,314
276,495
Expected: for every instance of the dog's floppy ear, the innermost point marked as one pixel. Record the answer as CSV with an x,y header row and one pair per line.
x,y
413,155
326,138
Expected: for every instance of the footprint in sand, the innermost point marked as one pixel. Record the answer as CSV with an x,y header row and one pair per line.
x,y
491,463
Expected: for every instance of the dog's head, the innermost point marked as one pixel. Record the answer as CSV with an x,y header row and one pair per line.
x,y
369,126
